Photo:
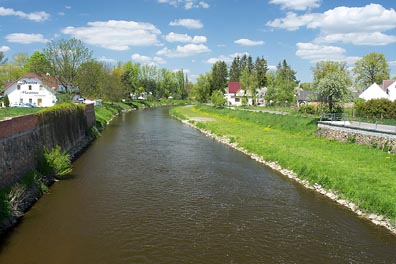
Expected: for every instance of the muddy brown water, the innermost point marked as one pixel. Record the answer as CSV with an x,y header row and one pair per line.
x,y
152,190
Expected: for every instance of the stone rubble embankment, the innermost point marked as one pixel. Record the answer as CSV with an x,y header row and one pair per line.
x,y
374,218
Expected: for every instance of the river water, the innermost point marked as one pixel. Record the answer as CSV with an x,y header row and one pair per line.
x,y
152,190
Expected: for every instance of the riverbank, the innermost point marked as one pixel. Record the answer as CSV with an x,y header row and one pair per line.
x,y
357,177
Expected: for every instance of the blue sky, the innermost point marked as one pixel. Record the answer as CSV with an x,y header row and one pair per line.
x,y
193,34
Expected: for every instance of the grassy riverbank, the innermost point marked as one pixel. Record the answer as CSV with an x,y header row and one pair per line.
x,y
360,174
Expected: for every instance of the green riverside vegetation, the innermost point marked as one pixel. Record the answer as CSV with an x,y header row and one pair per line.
x,y
360,174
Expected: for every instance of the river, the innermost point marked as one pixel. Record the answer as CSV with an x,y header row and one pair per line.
x,y
152,190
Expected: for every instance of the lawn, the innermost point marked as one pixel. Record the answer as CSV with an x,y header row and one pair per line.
x,y
16,111
360,174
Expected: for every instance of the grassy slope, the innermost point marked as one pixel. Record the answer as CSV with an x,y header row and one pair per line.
x,y
360,174
16,111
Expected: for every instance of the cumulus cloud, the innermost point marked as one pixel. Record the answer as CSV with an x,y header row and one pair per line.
x,y
187,50
116,34
35,16
4,48
187,4
226,58
188,23
315,53
369,39
147,60
296,4
354,25
174,37
23,38
248,42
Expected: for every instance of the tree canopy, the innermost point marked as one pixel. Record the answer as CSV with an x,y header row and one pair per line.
x,y
372,68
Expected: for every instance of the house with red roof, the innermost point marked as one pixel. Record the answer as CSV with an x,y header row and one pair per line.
x,y
235,94
32,89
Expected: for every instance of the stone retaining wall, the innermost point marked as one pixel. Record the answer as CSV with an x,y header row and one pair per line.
x,y
22,140
381,140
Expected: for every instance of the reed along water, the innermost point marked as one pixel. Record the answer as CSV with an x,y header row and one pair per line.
x,y
152,190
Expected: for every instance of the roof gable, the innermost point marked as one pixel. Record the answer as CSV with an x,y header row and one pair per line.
x,y
49,81
387,83
373,92
234,87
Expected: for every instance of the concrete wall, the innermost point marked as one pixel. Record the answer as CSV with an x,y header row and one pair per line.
x,y
22,140
377,139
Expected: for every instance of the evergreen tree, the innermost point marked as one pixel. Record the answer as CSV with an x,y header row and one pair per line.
x,y
235,70
261,69
219,76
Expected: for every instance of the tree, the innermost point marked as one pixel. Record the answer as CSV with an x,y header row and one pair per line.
x,y
38,63
89,79
370,69
6,101
65,56
281,86
324,68
261,68
219,76
249,82
235,70
333,90
218,99
201,90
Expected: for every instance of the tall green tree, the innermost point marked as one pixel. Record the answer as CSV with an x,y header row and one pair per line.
x,y
90,78
38,63
235,70
219,78
65,56
249,82
282,86
372,68
201,89
261,69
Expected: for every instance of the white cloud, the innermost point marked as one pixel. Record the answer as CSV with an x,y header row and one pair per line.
x,y
68,7
296,4
370,18
23,38
187,50
4,48
147,60
116,34
315,53
226,58
248,42
355,25
188,23
187,4
369,39
272,68
174,37
108,60
35,16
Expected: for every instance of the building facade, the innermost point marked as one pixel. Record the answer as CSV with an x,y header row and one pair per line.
x,y
32,89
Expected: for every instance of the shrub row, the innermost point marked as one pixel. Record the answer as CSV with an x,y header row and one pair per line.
x,y
376,108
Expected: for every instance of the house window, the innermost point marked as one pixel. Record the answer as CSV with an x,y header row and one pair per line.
x,y
30,87
41,87
19,87
236,100
30,100
21,100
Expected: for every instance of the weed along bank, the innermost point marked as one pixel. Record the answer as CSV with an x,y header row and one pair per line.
x,y
23,141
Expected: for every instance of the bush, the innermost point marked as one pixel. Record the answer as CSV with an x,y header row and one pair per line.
x,y
218,99
376,108
307,109
6,101
57,161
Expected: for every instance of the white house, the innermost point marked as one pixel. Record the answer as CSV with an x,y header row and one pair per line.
x,y
389,86
32,88
235,94
373,92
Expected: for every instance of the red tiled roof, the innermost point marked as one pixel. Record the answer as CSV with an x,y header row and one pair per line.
x,y
387,83
234,87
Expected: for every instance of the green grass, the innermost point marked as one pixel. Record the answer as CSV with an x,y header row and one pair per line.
x,y
16,111
363,175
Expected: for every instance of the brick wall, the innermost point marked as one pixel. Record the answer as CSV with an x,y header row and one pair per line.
x,y
22,140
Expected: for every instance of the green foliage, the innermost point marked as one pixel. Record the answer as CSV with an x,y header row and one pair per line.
x,y
201,90
16,111
282,84
6,101
219,75
58,161
376,108
38,63
218,99
5,210
307,109
372,68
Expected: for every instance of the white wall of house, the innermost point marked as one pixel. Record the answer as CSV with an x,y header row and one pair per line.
x,y
30,90
373,92
235,99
